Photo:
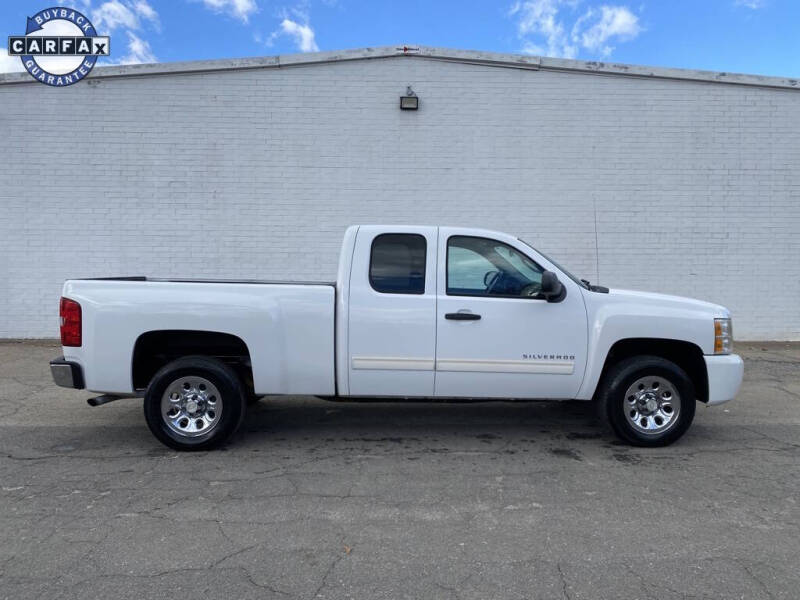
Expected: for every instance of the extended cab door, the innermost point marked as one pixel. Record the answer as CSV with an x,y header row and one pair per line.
x,y
392,312
496,337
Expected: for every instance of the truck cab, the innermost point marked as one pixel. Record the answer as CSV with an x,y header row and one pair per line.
x,y
451,313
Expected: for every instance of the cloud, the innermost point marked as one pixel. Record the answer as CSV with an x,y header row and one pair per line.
x,y
614,22
81,5
529,47
303,35
540,18
542,25
129,17
139,51
295,24
239,9
754,4
9,64
147,11
126,14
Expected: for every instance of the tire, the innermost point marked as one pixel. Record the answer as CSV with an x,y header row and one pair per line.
x,y
647,400
194,403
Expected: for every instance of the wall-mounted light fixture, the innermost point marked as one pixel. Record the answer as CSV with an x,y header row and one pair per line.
x,y
410,101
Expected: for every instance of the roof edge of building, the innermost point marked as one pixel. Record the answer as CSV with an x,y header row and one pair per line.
x,y
515,61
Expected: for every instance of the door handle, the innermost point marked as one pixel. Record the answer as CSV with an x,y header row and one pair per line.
x,y
462,316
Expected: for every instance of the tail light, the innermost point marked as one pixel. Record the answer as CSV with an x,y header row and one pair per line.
x,y
70,312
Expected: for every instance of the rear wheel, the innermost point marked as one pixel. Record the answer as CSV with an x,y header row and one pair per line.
x,y
194,403
647,400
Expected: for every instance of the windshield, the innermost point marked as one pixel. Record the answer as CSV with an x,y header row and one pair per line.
x,y
580,282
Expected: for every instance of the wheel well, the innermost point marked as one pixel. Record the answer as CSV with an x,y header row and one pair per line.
x,y
686,355
155,349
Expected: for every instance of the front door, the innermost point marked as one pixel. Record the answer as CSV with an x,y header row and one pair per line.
x,y
496,337
392,306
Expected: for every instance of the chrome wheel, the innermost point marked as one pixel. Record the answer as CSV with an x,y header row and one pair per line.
x,y
652,405
191,406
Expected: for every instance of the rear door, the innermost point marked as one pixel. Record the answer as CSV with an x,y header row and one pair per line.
x,y
392,312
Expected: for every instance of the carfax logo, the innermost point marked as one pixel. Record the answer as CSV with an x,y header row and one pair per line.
x,y
60,46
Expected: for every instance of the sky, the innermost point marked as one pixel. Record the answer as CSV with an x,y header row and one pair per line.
x,y
744,36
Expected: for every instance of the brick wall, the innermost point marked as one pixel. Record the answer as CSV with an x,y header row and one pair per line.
x,y
680,187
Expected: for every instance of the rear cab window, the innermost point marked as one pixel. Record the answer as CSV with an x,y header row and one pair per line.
x,y
397,263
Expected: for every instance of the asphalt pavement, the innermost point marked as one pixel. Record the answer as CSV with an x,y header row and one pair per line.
x,y
374,500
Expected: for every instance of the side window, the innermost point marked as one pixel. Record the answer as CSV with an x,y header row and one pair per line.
x,y
466,269
483,267
397,263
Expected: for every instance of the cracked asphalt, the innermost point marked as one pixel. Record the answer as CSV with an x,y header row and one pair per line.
x,y
321,499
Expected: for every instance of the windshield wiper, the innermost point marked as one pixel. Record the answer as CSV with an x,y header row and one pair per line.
x,y
594,288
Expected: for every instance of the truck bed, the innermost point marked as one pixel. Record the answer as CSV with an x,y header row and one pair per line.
x,y
287,327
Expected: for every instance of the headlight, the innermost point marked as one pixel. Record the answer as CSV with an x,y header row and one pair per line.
x,y
723,336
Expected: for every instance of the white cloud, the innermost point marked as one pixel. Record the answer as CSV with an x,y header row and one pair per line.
x,y
542,27
614,22
147,11
9,64
540,18
303,35
128,17
110,15
127,14
754,4
81,5
529,47
239,9
139,51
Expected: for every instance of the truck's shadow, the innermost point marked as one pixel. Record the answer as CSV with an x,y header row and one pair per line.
x,y
372,420
300,424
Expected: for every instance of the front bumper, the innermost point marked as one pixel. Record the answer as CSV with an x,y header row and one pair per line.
x,y
66,374
725,373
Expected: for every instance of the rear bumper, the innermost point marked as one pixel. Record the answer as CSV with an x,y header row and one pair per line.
x,y
725,373
66,374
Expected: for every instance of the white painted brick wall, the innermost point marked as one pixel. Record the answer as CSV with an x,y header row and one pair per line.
x,y
670,186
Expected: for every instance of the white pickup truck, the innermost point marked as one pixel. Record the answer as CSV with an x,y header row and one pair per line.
x,y
415,312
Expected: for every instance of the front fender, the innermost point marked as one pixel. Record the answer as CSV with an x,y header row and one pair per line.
x,y
614,319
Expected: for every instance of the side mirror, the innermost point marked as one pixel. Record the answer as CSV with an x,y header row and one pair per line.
x,y
552,289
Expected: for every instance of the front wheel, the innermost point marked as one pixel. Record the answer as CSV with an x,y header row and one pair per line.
x,y
648,400
194,403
